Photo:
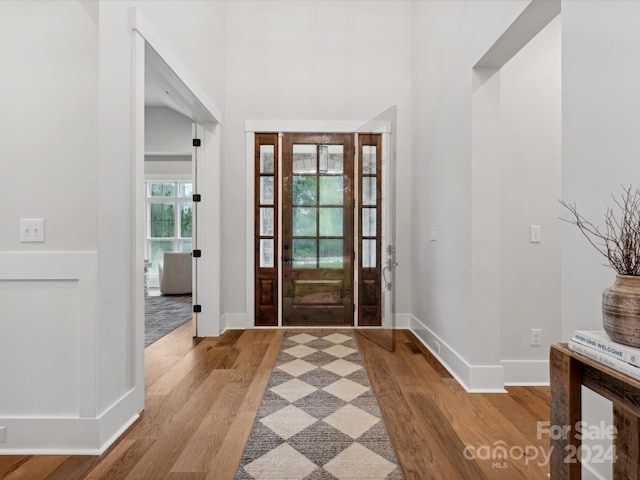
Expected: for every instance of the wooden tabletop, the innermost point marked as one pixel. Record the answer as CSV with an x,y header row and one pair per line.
x,y
564,348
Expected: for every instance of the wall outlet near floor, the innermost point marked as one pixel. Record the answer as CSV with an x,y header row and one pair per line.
x,y
536,336
3,434
436,345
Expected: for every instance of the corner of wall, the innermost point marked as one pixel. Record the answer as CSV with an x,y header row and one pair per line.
x,y
117,419
71,435
473,378
233,321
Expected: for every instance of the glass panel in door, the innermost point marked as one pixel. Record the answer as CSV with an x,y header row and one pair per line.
x,y
317,209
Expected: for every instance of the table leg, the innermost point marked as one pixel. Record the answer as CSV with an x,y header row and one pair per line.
x,y
627,464
566,412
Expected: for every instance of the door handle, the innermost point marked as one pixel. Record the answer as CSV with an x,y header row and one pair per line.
x,y
391,264
286,258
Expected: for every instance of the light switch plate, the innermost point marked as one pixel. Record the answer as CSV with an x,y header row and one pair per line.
x,y
32,230
535,234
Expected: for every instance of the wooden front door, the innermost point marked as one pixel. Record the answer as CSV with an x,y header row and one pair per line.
x,y
317,228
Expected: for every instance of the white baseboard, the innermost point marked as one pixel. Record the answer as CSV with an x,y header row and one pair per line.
x,y
233,321
68,436
116,419
238,321
482,378
50,436
526,372
473,378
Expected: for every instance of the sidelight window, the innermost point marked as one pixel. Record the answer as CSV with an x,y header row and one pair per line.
x,y
370,228
266,228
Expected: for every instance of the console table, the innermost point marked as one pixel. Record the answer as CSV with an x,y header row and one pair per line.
x,y
569,371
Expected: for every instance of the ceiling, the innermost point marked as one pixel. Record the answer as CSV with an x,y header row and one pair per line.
x,y
156,96
164,88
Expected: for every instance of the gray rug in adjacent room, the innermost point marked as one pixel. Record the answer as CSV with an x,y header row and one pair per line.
x,y
319,418
163,314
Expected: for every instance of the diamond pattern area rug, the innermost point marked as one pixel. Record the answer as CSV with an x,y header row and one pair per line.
x,y
319,418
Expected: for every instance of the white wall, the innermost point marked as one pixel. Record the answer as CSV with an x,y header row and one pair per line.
x,y
166,131
600,145
49,156
167,134
486,166
448,39
195,31
311,61
160,169
67,325
600,141
49,123
530,189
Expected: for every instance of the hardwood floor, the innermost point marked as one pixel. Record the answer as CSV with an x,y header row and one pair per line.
x,y
202,396
432,420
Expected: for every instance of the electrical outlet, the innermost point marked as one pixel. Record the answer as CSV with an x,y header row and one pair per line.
x,y
536,336
32,230
434,234
437,346
3,434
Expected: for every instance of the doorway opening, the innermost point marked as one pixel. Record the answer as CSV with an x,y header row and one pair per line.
x,y
152,57
516,179
170,216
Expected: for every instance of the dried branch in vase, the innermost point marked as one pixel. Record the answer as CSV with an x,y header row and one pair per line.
x,y
620,241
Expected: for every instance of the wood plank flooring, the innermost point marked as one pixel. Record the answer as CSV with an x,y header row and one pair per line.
x,y
202,396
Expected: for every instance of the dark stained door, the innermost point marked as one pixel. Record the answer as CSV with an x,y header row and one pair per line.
x,y
317,216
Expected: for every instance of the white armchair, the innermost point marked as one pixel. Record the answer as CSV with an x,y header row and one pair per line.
x,y
175,273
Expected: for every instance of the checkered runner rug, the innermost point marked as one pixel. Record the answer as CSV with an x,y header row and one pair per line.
x,y
319,418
